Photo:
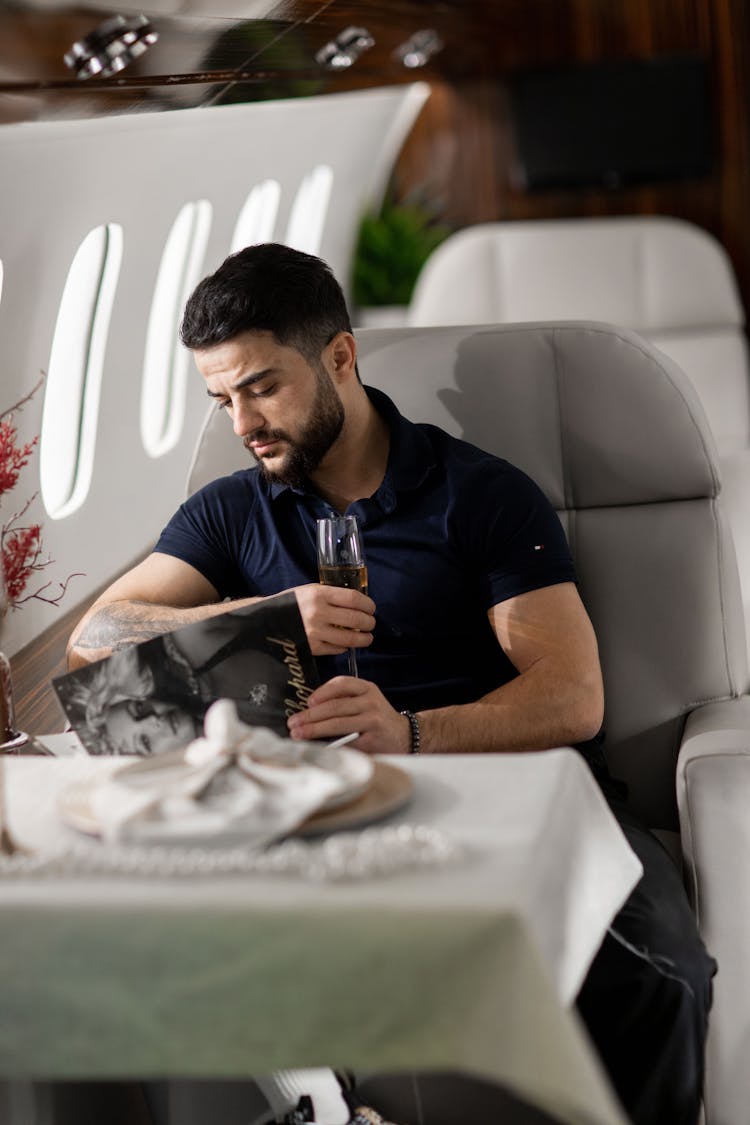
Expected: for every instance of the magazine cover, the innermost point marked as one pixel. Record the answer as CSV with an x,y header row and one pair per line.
x,y
153,696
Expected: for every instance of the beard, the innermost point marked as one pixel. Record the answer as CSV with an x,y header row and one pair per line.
x,y
305,452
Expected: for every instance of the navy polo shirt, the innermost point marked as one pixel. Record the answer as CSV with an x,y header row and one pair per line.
x,y
450,532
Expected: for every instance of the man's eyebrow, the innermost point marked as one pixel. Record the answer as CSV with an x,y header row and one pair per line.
x,y
245,381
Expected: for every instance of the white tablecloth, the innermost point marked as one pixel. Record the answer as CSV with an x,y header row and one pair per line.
x,y
471,966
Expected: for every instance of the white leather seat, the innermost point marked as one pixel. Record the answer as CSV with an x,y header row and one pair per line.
x,y
668,280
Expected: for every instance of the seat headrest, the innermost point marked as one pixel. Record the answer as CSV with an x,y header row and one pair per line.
x,y
651,273
595,414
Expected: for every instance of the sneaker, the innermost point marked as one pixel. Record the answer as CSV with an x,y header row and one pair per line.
x,y
304,1112
360,1114
366,1115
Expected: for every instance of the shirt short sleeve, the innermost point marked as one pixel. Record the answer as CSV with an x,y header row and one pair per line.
x,y
519,541
204,532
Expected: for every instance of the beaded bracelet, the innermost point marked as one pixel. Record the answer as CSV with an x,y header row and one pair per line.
x,y
415,735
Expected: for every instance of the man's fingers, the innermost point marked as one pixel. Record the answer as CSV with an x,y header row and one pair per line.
x,y
339,628
338,686
335,618
339,689
337,707
330,642
349,619
348,599
330,720
315,595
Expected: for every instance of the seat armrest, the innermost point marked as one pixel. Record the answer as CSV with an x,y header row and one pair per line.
x,y
727,720
713,797
713,792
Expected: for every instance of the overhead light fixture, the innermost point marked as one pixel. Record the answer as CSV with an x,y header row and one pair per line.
x,y
419,48
345,49
111,46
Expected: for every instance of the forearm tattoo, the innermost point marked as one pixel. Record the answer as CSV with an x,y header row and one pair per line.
x,y
120,625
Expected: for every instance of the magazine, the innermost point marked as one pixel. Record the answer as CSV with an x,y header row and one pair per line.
x,y
153,696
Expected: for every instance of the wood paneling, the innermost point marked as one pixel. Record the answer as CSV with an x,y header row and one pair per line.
x,y
460,152
33,668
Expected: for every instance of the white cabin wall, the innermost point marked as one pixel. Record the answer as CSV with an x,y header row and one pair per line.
x,y
59,180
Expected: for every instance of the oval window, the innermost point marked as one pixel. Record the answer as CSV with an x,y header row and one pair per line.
x,y
308,215
74,376
258,216
165,363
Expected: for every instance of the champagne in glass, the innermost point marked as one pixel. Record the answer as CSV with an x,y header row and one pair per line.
x,y
341,560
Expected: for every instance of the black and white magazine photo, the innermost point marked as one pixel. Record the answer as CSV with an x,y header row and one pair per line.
x,y
152,697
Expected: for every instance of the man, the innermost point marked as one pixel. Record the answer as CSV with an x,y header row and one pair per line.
x,y
475,638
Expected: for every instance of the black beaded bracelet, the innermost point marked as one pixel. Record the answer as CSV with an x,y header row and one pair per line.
x,y
415,736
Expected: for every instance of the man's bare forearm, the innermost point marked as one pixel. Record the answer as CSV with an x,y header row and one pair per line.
x,y
120,624
538,710
117,625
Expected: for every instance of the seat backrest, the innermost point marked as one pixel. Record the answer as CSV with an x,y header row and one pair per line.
x,y
615,434
668,280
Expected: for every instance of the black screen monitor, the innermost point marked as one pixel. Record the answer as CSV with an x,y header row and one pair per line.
x,y
612,124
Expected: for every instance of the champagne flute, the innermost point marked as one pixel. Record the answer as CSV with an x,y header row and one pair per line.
x,y
341,560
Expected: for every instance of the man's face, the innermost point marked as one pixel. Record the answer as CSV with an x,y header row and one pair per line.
x,y
285,409
148,726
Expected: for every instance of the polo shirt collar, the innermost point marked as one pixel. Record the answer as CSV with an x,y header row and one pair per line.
x,y
410,456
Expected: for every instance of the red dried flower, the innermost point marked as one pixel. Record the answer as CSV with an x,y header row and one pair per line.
x,y
20,547
12,456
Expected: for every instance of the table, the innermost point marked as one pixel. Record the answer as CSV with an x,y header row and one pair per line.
x,y
472,966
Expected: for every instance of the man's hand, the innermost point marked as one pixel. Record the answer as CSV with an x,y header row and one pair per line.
x,y
346,704
335,618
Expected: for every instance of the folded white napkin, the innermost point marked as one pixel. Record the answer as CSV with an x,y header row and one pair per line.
x,y
235,784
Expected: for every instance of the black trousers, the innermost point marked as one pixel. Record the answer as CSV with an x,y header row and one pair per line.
x,y
647,995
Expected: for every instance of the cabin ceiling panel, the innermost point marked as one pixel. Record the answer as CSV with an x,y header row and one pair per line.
x,y
208,53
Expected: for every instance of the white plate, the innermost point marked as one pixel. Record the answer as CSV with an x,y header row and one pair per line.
x,y
390,789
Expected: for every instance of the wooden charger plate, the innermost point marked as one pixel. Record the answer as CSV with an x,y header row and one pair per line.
x,y
389,790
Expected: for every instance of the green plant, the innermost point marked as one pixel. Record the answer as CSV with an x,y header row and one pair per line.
x,y
391,249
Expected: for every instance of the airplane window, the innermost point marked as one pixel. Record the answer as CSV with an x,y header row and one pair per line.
x,y
308,215
258,215
166,361
74,375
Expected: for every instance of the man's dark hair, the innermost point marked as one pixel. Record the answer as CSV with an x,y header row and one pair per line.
x,y
267,288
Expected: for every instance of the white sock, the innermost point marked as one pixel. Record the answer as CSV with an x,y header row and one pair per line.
x,y
284,1088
